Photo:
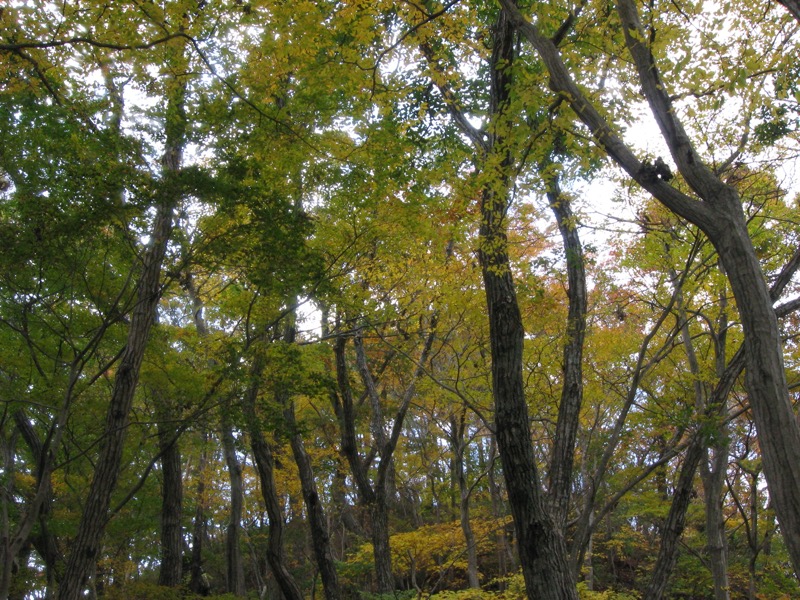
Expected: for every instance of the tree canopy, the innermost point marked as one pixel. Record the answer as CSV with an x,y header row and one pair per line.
x,y
460,299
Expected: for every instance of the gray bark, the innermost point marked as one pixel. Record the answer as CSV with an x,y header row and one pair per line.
x,y
793,6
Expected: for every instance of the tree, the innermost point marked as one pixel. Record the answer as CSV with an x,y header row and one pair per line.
x,y
716,209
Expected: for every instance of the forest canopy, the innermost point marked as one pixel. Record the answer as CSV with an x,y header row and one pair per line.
x,y
367,300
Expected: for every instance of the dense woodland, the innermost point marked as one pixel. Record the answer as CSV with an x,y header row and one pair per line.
x,y
373,299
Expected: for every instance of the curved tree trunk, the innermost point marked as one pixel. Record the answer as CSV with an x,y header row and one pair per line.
x,y
265,465
793,7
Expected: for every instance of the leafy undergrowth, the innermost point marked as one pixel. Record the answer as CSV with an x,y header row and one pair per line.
x,y
141,590
510,588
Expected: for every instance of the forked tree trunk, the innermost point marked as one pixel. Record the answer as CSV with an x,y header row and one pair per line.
x,y
374,496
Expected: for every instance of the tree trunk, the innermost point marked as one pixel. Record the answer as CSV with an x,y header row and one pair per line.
x,y
379,513
765,381
714,468
265,465
713,479
7,556
457,427
542,550
86,545
498,512
317,519
560,474
793,6
43,540
676,520
170,572
234,567
197,582
375,498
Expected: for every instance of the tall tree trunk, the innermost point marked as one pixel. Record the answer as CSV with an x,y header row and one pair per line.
x,y
542,549
765,381
714,468
86,545
234,567
198,583
561,461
